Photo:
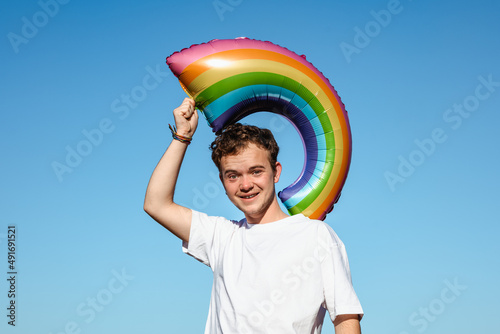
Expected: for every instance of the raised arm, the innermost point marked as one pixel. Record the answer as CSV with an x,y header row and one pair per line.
x,y
159,200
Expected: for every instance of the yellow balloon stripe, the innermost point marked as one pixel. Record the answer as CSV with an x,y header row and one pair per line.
x,y
221,60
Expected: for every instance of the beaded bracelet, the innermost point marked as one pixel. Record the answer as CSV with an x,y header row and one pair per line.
x,y
176,136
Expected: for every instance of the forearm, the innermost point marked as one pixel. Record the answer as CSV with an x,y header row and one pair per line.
x,y
161,187
159,200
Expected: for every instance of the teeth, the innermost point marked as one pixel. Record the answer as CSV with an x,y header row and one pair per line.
x,y
250,196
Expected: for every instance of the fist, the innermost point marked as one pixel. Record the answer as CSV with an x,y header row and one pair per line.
x,y
186,118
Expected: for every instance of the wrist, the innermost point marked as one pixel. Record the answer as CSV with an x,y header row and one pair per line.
x,y
186,139
184,133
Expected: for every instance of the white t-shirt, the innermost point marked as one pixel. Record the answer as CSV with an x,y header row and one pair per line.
x,y
272,278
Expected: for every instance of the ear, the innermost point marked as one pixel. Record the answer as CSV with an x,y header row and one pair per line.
x,y
277,173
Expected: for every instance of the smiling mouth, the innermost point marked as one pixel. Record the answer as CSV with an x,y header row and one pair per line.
x,y
249,196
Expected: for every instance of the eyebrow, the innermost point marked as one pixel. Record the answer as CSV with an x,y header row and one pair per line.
x,y
256,167
229,171
250,169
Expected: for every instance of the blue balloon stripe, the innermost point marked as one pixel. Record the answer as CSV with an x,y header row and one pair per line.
x,y
299,196
223,103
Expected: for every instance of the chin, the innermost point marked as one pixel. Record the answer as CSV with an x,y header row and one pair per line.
x,y
255,210
248,211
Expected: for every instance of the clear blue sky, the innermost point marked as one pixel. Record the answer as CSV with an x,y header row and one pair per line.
x,y
418,214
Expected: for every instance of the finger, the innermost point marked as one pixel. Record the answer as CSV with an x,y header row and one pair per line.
x,y
188,101
185,109
191,111
188,112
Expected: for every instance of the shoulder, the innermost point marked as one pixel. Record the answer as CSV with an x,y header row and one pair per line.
x,y
324,232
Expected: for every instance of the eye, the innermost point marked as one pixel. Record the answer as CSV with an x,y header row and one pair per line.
x,y
232,177
257,172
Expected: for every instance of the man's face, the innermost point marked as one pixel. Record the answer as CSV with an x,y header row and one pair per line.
x,y
249,180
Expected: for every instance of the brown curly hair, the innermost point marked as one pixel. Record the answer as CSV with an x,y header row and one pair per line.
x,y
236,137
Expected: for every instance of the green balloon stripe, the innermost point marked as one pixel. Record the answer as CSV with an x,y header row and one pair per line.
x,y
234,82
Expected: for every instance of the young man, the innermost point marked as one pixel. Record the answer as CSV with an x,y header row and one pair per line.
x,y
273,273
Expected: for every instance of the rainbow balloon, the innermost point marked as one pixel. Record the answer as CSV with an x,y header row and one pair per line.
x,y
231,79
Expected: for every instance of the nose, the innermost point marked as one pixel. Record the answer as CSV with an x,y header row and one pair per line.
x,y
246,184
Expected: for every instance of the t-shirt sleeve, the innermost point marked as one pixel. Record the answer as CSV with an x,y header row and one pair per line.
x,y
340,297
205,237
